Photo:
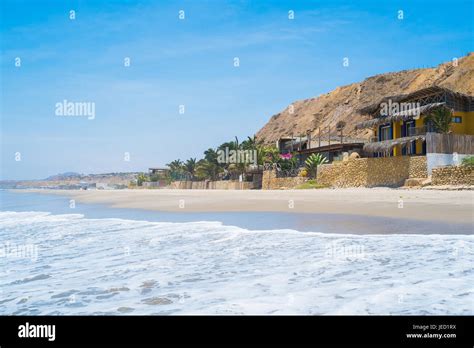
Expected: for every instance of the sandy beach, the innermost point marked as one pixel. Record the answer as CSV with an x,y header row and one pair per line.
x,y
429,205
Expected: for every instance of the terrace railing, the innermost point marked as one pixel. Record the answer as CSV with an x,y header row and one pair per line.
x,y
321,136
417,131
410,133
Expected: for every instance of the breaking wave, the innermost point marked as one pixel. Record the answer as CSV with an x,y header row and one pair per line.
x,y
71,265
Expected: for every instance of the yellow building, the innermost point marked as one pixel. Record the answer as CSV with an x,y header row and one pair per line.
x,y
399,126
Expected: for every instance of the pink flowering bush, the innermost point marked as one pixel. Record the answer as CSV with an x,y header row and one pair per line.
x,y
286,156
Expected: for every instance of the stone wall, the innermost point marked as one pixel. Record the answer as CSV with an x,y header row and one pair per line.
x,y
371,172
417,167
453,175
154,184
352,173
393,171
211,185
271,182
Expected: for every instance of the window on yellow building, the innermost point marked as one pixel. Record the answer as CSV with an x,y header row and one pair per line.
x,y
457,119
385,133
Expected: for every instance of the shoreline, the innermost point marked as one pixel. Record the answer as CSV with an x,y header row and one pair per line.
x,y
421,205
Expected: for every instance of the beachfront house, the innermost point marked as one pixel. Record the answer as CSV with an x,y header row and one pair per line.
x,y
400,126
158,171
329,143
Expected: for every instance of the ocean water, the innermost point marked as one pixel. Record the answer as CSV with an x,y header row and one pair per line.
x,y
92,262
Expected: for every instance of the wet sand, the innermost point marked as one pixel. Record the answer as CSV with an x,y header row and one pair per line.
x,y
424,205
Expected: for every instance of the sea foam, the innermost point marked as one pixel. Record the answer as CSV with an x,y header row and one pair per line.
x,y
118,266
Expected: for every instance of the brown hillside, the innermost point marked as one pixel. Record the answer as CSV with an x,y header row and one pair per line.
x,y
342,103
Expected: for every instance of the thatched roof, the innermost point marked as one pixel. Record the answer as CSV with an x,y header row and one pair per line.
x,y
421,93
387,145
398,116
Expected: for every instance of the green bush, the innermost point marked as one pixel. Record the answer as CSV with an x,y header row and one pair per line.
x,y
142,177
310,184
468,161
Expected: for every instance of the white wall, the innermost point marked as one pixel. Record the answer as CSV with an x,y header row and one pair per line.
x,y
434,160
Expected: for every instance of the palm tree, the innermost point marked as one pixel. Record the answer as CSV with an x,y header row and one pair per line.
x,y
176,169
207,170
268,154
440,119
312,163
249,144
190,167
176,165
211,155
229,144
232,145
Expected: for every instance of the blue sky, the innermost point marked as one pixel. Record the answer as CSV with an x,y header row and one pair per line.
x,y
190,62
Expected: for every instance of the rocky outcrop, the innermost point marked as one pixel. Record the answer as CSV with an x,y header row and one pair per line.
x,y
343,103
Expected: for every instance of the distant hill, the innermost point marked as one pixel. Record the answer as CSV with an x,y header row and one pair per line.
x,y
64,176
71,178
343,103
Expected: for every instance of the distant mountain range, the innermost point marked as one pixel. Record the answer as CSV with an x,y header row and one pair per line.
x,y
343,103
65,176
72,178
